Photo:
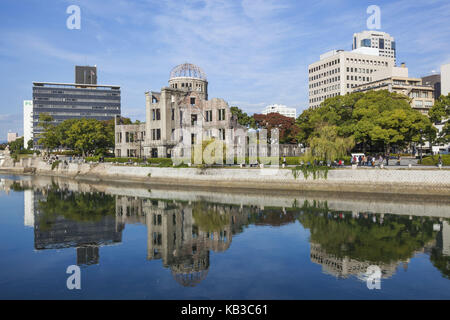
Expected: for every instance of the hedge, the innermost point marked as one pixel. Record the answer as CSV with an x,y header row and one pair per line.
x,y
429,161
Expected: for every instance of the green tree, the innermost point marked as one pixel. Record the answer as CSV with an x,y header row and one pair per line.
x,y
80,207
88,136
243,118
395,239
326,144
208,218
48,139
376,119
85,136
439,113
16,146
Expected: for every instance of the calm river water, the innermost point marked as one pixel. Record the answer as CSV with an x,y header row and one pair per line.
x,y
132,242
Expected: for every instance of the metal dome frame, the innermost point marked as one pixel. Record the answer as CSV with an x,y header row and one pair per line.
x,y
188,70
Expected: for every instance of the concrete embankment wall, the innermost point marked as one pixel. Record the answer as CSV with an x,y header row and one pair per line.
x,y
433,181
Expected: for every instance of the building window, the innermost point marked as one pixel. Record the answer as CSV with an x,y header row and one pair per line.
x,y
208,116
173,114
222,134
156,134
221,114
192,100
131,153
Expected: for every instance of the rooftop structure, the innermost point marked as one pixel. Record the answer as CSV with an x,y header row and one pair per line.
x,y
281,109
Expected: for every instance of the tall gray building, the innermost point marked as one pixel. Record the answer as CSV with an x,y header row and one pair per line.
x,y
74,101
433,80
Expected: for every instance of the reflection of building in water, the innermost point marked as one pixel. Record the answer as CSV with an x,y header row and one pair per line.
x,y
28,202
444,238
175,237
343,267
56,231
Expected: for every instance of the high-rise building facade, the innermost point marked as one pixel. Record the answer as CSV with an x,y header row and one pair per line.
x,y
338,72
65,101
281,109
382,41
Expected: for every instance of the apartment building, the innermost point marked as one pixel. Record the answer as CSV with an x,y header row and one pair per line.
x,y
421,96
338,72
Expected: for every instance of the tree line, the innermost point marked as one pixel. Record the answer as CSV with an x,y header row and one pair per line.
x,y
375,121
83,136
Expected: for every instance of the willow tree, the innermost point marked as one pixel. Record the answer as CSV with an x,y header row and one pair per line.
x,y
326,144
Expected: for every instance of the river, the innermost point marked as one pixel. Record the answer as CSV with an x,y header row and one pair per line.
x,y
132,242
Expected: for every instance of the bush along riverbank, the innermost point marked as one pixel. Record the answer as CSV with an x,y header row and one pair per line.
x,y
434,161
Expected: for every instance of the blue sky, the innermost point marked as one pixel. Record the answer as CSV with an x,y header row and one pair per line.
x,y
254,52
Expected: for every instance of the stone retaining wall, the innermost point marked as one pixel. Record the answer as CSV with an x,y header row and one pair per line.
x,y
358,180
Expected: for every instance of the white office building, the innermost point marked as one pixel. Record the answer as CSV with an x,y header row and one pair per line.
x,y
338,72
281,109
445,79
27,122
382,41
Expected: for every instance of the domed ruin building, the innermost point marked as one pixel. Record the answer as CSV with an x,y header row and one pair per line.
x,y
182,105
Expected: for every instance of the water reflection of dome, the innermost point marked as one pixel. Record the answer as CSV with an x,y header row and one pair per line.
x,y
190,279
191,271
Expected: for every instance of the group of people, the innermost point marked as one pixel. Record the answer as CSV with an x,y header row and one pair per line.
x,y
370,161
50,158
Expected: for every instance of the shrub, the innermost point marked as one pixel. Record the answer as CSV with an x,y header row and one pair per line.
x,y
55,164
429,161
66,153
